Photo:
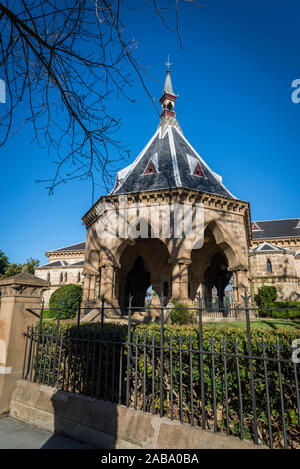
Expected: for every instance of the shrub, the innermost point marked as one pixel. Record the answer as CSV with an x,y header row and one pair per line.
x,y
264,298
69,297
285,310
180,314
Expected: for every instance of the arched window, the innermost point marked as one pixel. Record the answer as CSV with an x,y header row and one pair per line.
x,y
269,266
48,277
66,276
78,277
61,277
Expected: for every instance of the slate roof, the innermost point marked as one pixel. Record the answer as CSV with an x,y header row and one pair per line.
x,y
72,247
175,160
169,161
61,263
268,247
53,264
289,228
79,263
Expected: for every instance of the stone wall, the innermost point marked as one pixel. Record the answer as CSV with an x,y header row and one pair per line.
x,y
284,276
105,425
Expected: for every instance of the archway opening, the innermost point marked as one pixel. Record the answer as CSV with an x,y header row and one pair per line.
x,y
217,278
137,283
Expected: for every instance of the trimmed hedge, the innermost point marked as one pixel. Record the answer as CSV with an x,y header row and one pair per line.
x,y
285,310
105,381
69,296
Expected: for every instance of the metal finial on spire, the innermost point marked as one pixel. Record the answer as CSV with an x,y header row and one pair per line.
x,y
168,64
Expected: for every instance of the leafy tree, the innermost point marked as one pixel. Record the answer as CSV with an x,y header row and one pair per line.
x,y
12,269
31,264
8,269
3,263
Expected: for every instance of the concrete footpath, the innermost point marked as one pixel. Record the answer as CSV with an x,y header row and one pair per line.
x,y
18,435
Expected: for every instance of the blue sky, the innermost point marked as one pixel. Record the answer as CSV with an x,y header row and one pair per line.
x,y
234,78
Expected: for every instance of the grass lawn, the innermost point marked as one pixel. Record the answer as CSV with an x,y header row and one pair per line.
x,y
271,324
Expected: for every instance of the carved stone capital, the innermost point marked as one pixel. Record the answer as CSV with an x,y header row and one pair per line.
x,y
23,284
239,268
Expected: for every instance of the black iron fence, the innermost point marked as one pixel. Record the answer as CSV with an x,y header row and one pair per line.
x,y
244,384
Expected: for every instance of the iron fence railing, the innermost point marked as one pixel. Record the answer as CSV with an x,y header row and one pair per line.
x,y
245,385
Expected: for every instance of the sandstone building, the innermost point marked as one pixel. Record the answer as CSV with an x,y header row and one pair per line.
x,y
169,173
65,266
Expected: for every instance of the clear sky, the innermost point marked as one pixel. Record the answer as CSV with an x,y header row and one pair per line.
x,y
234,78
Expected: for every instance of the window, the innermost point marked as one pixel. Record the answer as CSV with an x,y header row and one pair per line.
x,y
48,277
78,277
66,277
269,266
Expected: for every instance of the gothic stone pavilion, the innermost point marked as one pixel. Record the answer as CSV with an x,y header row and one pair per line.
x,y
169,171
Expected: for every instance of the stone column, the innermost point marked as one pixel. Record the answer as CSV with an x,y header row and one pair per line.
x,y
156,287
86,288
180,279
92,293
21,297
108,282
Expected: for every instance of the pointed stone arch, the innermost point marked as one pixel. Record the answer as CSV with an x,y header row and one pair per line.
x,y
223,241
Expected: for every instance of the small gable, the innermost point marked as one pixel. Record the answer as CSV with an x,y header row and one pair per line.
x,y
152,165
150,168
255,227
198,171
195,166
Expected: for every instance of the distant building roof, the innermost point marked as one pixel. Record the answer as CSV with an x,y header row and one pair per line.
x,y
72,247
267,229
268,247
52,264
79,264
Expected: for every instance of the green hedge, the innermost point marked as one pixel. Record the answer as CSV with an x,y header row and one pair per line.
x,y
285,310
69,297
112,357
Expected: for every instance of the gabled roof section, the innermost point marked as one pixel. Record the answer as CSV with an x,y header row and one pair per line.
x,y
288,228
72,247
268,247
176,159
59,263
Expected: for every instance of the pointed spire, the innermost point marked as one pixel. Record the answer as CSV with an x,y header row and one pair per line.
x,y
168,89
167,100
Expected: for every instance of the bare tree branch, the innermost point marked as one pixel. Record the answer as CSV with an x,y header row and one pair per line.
x,y
61,61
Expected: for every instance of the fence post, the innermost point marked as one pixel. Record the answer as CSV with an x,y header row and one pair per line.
x,y
202,389
162,344
102,315
252,384
21,297
39,336
128,351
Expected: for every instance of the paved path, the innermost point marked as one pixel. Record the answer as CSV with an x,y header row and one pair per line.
x,y
18,435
